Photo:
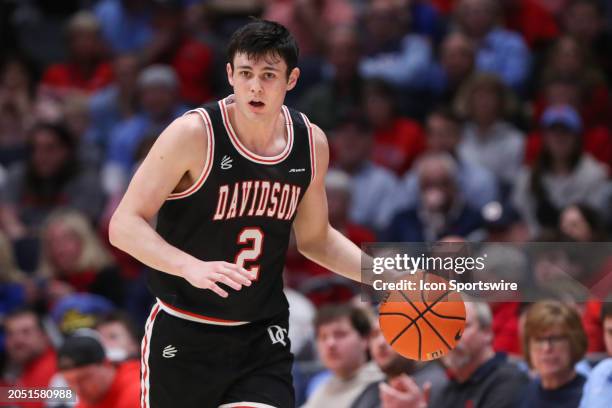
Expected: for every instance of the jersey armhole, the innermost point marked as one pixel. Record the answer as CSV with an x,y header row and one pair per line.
x,y
208,161
313,153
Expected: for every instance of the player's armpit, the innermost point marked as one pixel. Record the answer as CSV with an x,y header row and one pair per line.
x,y
315,238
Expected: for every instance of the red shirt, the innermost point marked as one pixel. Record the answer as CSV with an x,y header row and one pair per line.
x,y
193,63
397,146
69,76
124,391
505,327
537,24
38,374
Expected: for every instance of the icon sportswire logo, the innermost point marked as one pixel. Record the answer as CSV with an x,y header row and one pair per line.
x,y
169,351
226,162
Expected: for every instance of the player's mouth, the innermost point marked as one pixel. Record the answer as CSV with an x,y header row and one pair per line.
x,y
257,104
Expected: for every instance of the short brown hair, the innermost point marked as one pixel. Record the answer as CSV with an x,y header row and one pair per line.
x,y
547,314
358,317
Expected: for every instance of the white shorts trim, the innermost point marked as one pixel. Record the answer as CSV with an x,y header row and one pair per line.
x,y
198,319
246,404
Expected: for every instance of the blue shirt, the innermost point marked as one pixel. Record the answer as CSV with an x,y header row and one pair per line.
x,y
504,53
127,136
124,32
597,391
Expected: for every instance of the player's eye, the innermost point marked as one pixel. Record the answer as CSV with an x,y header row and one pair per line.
x,y
245,74
269,75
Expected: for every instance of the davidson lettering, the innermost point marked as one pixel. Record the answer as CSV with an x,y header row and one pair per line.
x,y
262,198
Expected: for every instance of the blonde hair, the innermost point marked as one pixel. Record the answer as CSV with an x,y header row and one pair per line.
x,y
508,103
545,315
9,272
93,254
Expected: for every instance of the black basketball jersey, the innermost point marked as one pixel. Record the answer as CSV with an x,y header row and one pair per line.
x,y
240,210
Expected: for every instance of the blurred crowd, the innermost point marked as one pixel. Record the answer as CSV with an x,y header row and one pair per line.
x,y
448,120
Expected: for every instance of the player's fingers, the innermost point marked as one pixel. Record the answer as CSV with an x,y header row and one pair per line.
x,y
215,288
240,270
229,282
236,276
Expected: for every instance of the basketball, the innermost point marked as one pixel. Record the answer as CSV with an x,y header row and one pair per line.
x,y
424,323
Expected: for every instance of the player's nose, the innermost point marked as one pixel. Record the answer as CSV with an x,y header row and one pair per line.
x,y
255,86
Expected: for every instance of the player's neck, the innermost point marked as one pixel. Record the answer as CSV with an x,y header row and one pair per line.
x,y
265,137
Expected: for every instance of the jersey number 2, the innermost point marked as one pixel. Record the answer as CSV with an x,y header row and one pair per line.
x,y
254,237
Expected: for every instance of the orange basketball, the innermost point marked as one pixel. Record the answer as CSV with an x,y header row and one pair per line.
x,y
426,322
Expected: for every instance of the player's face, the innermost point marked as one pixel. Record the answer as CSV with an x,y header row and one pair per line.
x,y
550,353
607,329
341,349
260,84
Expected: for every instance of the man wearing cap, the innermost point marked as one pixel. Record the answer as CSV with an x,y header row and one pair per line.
x,y
97,382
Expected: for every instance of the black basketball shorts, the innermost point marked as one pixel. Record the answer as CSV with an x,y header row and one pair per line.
x,y
192,364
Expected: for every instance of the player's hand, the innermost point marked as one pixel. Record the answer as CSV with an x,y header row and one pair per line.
x,y
207,275
402,392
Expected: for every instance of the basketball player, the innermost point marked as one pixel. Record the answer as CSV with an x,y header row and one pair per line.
x,y
227,183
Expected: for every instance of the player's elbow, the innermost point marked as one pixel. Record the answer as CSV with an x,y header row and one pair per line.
x,y
115,231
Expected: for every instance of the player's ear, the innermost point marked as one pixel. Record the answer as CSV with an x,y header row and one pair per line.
x,y
293,77
230,73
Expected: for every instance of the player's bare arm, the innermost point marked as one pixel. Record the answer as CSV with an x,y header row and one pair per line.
x,y
315,237
174,162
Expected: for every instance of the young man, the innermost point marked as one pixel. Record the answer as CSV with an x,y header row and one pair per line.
x,y
227,184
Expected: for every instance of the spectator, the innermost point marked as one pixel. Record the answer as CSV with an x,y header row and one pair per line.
x,y
173,45
478,377
79,311
393,365
553,342
340,92
584,20
97,382
86,69
559,90
440,211
390,53
310,21
74,260
12,281
116,102
352,149
570,60
342,342
125,24
488,138
562,175
119,336
581,223
158,94
52,177
500,51
477,184
31,358
456,64
16,106
397,140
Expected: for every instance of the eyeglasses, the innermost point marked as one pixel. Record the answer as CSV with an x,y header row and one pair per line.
x,y
553,341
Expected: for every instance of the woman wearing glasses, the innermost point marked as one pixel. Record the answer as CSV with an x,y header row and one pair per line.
x,y
553,342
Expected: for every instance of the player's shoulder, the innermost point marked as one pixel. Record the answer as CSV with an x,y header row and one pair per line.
x,y
318,134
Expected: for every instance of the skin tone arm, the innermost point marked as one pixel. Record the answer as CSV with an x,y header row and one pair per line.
x,y
315,237
178,151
